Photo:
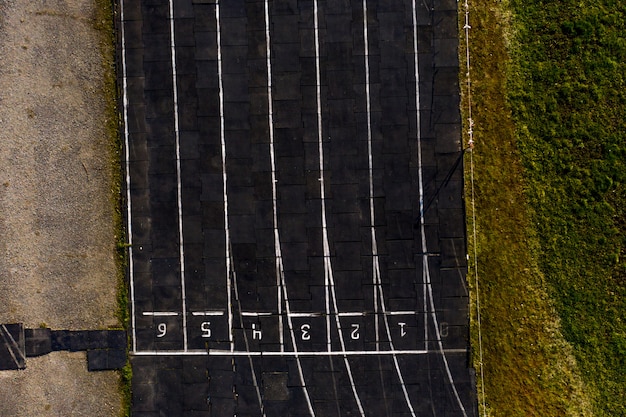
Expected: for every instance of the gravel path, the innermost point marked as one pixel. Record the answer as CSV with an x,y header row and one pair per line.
x,y
57,239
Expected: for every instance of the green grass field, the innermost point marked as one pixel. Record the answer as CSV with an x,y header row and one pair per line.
x,y
550,121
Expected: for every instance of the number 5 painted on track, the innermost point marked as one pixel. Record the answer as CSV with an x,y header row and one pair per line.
x,y
206,329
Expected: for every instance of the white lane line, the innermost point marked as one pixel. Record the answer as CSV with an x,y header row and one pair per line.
x,y
230,271
225,352
228,255
181,251
247,343
305,314
280,272
394,357
10,349
294,343
378,288
328,272
422,230
352,314
401,313
17,346
425,271
375,268
160,313
129,224
270,116
254,314
207,313
318,95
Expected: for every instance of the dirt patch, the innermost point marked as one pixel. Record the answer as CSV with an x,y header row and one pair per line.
x,y
58,384
57,263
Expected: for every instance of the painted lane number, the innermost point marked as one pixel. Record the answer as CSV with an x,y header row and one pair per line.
x,y
305,328
355,332
206,329
402,331
161,329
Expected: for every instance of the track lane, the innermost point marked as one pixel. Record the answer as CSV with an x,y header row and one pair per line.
x,y
297,157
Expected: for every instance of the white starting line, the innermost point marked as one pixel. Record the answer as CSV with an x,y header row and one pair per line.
x,y
160,313
283,314
224,352
207,313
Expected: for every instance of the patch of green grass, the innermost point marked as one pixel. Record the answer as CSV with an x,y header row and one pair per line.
x,y
549,106
528,367
126,378
103,22
567,89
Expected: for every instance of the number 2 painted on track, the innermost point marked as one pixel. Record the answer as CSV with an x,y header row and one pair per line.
x,y
355,332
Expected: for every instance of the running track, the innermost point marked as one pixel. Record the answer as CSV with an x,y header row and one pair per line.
x,y
296,224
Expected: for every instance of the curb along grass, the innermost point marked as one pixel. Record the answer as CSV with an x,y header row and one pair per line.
x,y
104,23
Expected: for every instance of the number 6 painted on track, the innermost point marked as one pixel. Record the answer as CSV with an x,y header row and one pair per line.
x,y
161,329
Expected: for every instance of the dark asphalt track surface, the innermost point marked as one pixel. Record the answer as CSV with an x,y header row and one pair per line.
x,y
281,269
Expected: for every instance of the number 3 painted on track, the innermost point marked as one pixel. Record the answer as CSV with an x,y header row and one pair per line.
x,y
305,331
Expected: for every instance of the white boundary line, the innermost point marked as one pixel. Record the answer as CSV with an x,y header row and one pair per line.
x,y
290,314
129,224
280,273
470,133
433,312
328,272
181,250
294,354
229,289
